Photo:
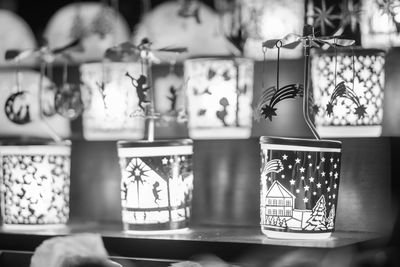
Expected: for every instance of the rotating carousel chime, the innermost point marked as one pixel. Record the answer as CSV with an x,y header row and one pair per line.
x,y
157,175
299,177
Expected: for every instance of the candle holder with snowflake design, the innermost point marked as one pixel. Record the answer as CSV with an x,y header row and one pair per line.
x,y
35,180
299,177
156,184
349,84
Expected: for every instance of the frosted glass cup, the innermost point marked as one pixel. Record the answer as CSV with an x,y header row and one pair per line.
x,y
299,187
156,184
35,183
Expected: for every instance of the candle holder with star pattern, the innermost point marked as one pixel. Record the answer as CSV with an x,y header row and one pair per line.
x,y
34,184
156,184
299,177
348,88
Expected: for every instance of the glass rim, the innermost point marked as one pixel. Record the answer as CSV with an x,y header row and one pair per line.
x,y
219,57
30,141
358,51
155,143
300,142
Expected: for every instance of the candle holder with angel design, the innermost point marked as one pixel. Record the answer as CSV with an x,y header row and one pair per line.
x,y
157,175
35,173
299,177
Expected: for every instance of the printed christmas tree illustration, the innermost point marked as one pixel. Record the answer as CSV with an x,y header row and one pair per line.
x,y
318,220
331,218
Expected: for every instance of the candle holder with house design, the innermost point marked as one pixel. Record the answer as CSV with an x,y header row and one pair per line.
x,y
299,177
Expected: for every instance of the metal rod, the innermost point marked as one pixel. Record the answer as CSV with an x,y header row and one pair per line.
x,y
306,114
49,129
151,110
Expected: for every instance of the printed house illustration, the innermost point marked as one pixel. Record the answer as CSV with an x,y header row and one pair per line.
x,y
280,211
279,201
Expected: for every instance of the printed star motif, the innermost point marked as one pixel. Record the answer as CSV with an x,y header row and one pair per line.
x,y
292,182
329,109
164,161
297,160
282,176
349,14
323,174
334,186
334,196
322,159
336,175
331,159
284,157
314,193
306,188
360,111
328,189
310,164
311,179
309,156
302,177
305,200
324,17
319,185
302,169
268,112
290,166
297,191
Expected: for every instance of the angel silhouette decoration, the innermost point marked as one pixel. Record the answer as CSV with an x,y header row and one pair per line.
x,y
141,89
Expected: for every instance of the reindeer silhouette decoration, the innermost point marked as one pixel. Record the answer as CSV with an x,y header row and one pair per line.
x,y
273,95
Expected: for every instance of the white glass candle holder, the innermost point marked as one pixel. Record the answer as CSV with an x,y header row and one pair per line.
x,y
113,112
35,182
219,94
268,19
28,102
368,90
378,28
156,184
299,187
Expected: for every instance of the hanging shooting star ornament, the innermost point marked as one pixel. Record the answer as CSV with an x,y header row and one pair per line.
x,y
271,97
341,90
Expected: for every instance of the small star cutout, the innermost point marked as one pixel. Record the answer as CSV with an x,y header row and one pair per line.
x,y
297,191
323,174
310,164
282,176
268,112
330,173
336,175
302,177
292,182
334,186
164,161
314,193
328,189
335,166
360,111
290,166
297,160
311,179
329,109
302,169
319,185
306,188
305,200
331,159
322,159
284,157
309,156
334,196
